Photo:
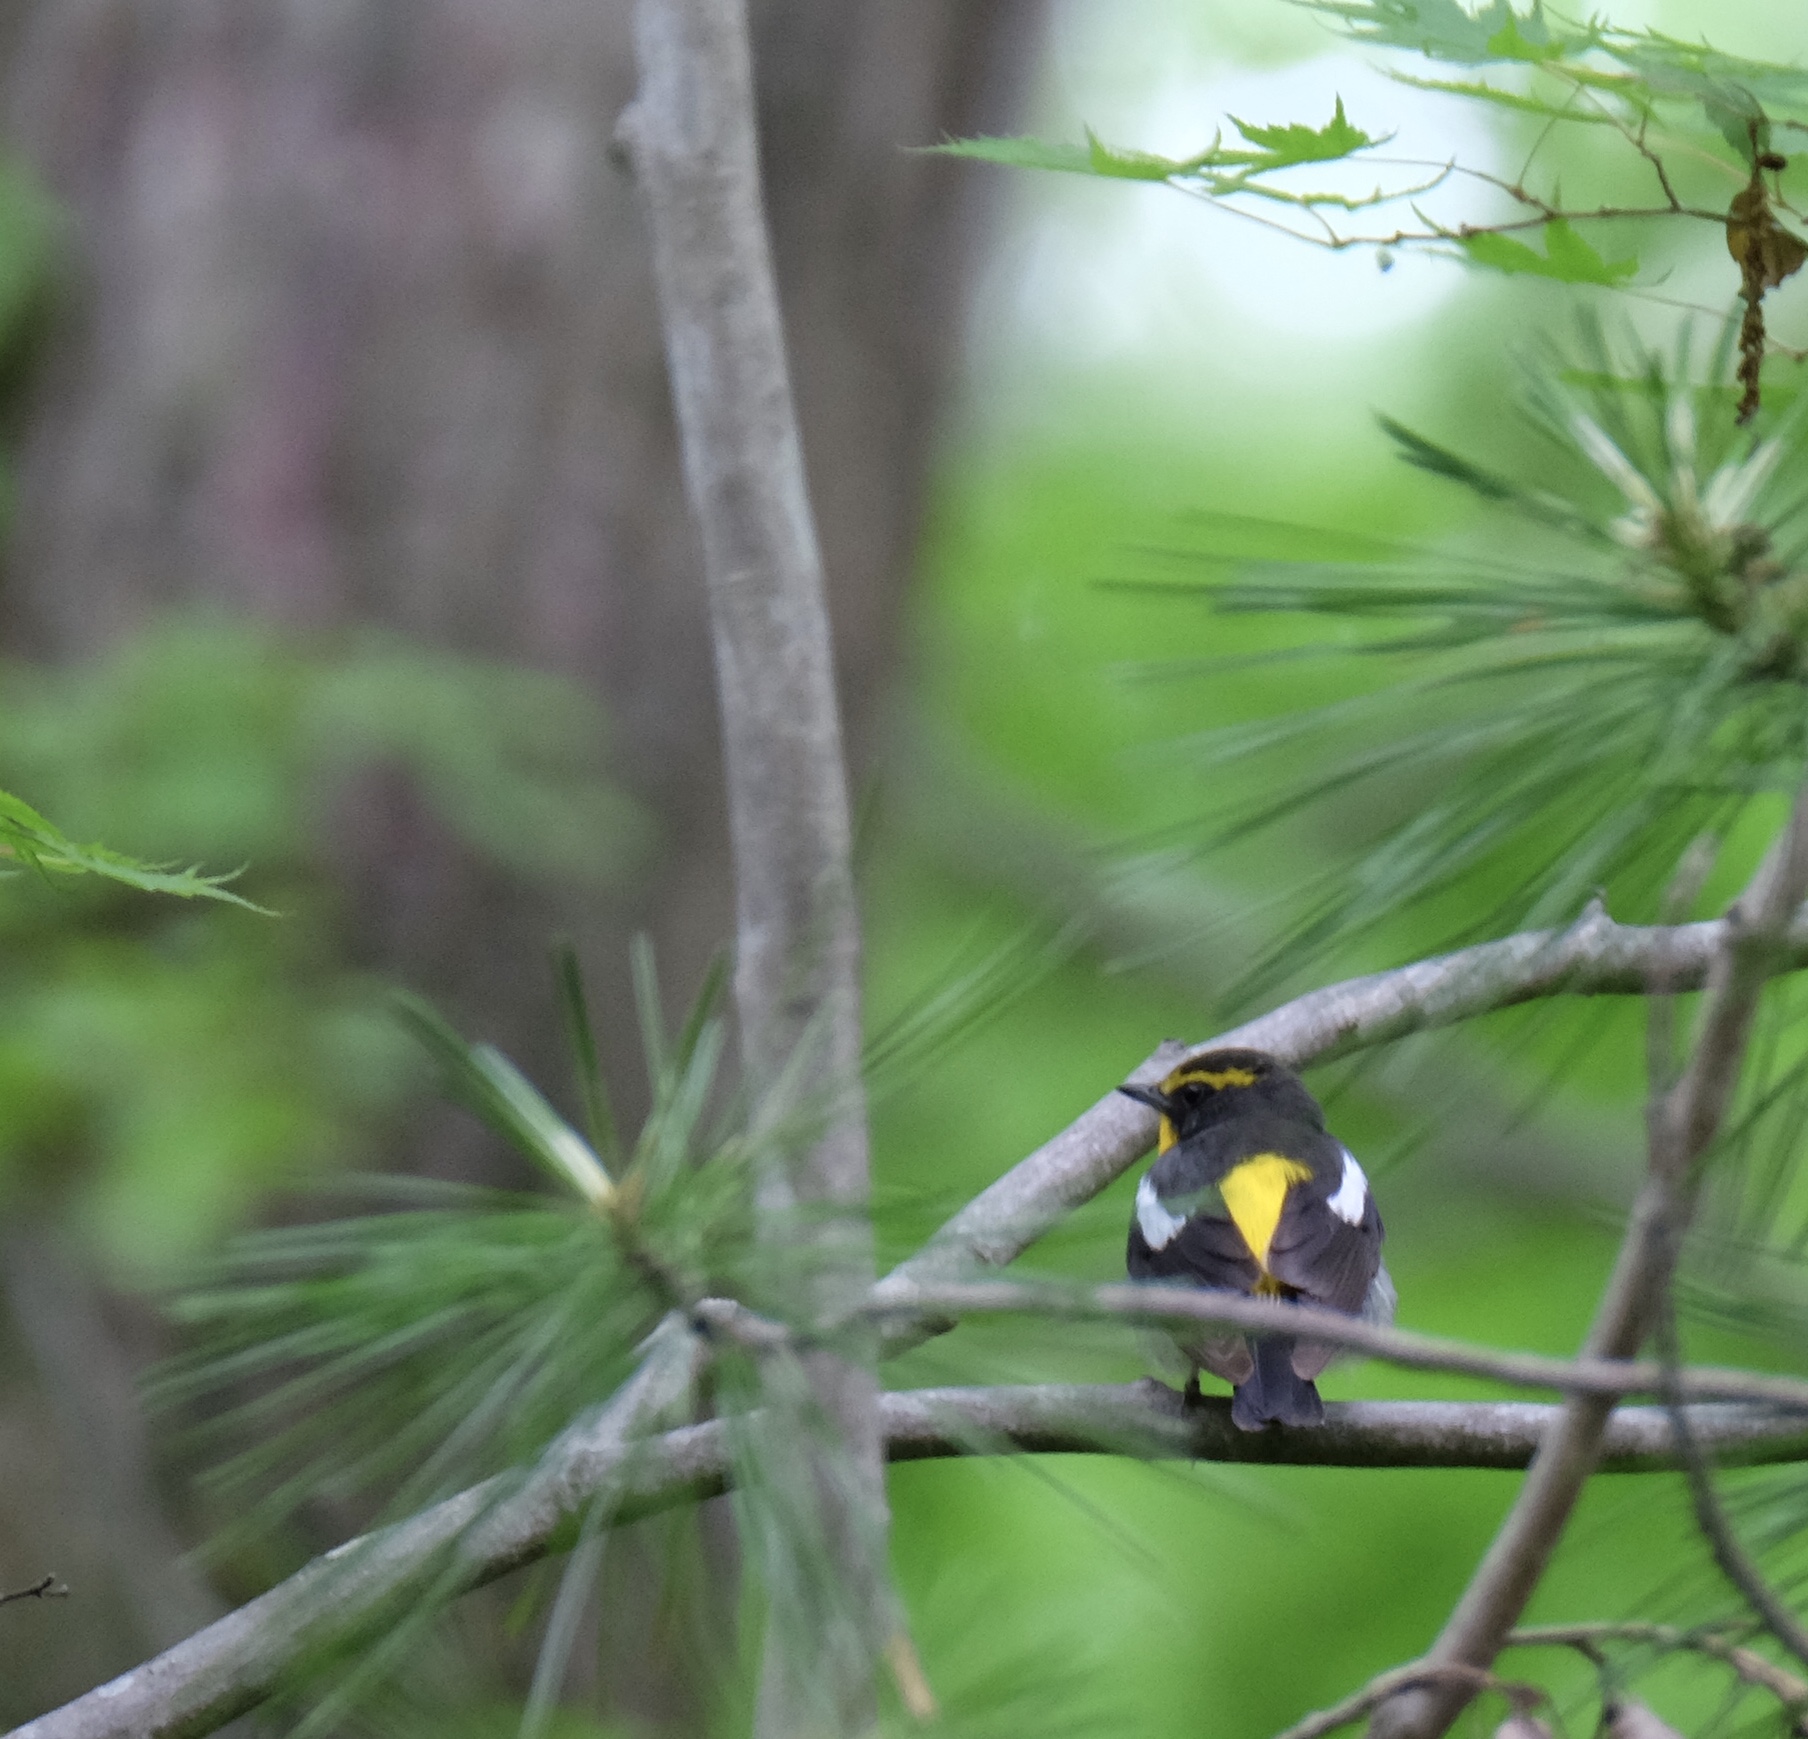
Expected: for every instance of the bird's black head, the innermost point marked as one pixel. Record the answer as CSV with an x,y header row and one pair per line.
x,y
1215,1085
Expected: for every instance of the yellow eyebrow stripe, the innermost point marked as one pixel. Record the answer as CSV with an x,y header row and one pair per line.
x,y
1219,1078
1254,1192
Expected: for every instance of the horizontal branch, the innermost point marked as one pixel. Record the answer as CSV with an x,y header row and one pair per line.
x,y
1150,1421
1155,1304
347,1596
1593,957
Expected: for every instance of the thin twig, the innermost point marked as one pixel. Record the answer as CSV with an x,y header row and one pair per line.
x,y
46,1588
1716,1527
1750,1666
1710,1515
1155,1304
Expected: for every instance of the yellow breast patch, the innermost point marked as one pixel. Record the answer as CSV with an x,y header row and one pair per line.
x,y
1253,1193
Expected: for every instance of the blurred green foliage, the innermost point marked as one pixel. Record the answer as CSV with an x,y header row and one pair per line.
x,y
1676,107
161,1070
28,254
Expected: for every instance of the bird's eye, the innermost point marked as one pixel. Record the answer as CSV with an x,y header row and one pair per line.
x,y
1195,1093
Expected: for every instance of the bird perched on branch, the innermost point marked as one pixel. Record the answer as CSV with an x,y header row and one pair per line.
x,y
1249,1194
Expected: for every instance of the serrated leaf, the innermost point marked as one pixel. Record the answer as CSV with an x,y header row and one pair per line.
x,y
1296,143
1567,256
1444,30
1095,157
1694,71
1532,43
1122,164
1521,103
38,844
1021,154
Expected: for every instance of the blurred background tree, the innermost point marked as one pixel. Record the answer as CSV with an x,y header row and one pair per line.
x,y
345,315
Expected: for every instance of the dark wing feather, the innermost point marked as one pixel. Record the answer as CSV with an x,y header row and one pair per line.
x,y
1327,1262
1205,1252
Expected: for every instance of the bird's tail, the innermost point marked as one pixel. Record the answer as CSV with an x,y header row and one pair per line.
x,y
1275,1393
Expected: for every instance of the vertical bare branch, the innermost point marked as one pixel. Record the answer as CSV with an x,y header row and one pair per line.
x,y
691,135
1682,1126
1716,1526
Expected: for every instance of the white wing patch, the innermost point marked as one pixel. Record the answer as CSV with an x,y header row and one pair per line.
x,y
1382,1300
1159,1227
1352,1192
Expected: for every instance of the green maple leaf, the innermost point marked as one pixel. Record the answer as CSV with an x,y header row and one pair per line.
x,y
29,839
1095,157
1567,257
1297,143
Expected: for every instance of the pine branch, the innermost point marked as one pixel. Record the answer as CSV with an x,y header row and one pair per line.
x,y
358,1589
1593,957
348,1595
1682,1127
231,1666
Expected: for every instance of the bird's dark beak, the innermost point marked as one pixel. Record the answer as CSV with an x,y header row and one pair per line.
x,y
1153,1097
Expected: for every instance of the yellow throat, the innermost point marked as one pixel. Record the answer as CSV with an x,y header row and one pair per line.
x,y
1254,1193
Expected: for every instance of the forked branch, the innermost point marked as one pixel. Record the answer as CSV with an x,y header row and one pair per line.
x,y
1682,1128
